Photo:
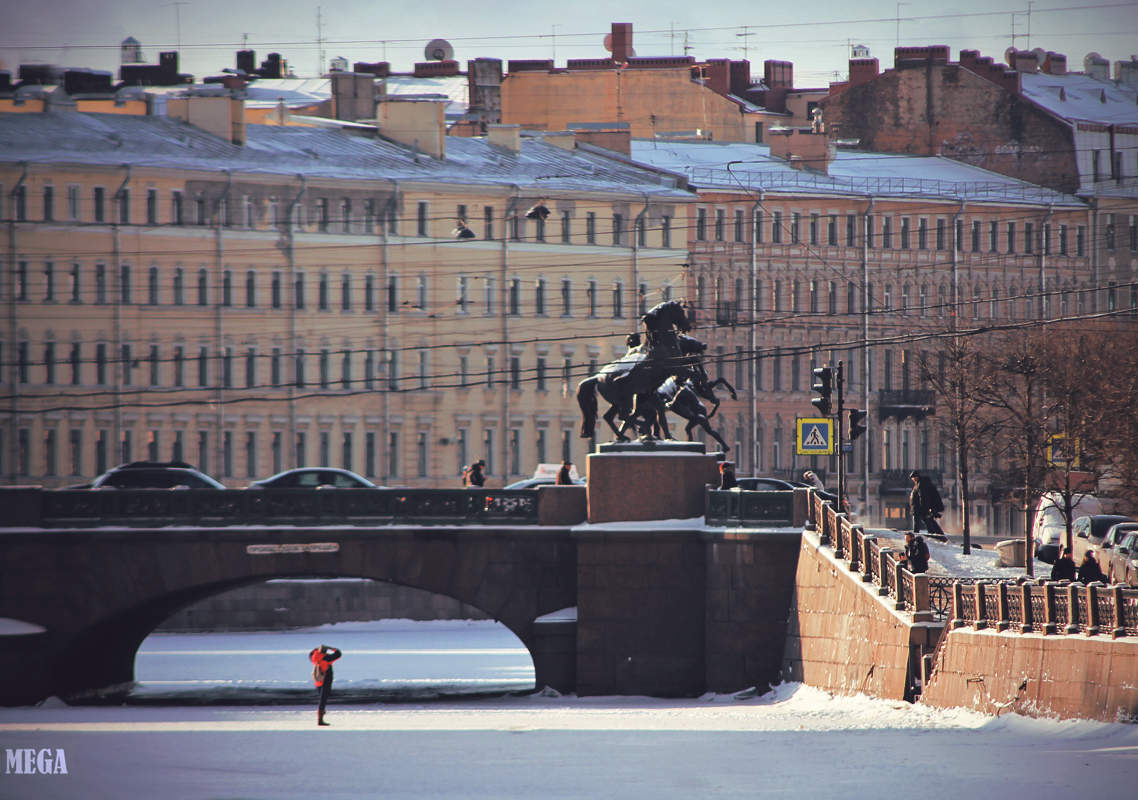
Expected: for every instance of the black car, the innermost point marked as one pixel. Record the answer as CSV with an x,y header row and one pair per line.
x,y
752,484
155,475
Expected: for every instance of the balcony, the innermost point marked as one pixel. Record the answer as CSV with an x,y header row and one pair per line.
x,y
902,403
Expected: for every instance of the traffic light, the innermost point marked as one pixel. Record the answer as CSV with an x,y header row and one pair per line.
x,y
823,387
857,423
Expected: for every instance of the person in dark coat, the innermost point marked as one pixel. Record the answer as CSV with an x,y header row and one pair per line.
x,y
474,476
564,478
1089,569
727,475
1064,567
916,553
925,505
322,658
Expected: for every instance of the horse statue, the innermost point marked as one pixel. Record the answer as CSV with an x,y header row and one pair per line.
x,y
639,372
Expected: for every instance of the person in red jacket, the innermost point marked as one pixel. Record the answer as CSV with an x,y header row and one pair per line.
x,y
322,658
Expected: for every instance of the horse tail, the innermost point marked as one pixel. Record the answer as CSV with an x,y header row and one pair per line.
x,y
587,400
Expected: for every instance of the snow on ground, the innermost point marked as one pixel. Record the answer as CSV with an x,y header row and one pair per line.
x,y
793,742
796,741
947,558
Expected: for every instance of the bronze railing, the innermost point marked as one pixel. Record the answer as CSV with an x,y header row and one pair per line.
x,y
1053,607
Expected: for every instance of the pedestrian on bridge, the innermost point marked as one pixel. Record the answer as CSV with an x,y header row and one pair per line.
x,y
925,506
322,658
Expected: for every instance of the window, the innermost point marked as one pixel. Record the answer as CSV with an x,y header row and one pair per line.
x,y
515,372
940,234
322,214
73,202
514,297
1063,248
591,228
922,234
887,232
566,297
179,366
99,200
298,368
617,299
832,230
227,288
250,289
975,236
488,222
153,362
539,229
1028,237
1080,240
591,298
740,235
720,224
203,282
49,282
851,230
152,286
665,231
422,220
76,360
322,292
701,224
176,215
539,297
124,285
813,229
151,206
795,227
101,364
776,227
325,369
1011,231
48,203
904,233
250,368
566,227
515,451
345,292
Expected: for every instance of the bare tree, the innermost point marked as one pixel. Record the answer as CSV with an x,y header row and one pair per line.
x,y
955,370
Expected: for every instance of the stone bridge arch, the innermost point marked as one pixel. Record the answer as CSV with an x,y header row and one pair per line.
x,y
99,594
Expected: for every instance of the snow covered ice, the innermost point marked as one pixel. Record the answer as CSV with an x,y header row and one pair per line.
x,y
795,741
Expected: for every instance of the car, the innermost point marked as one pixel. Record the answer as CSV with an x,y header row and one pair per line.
x,y
1123,565
155,475
315,478
533,483
1094,527
1050,527
1116,533
753,484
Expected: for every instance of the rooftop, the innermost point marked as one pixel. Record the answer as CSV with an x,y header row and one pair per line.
x,y
730,166
1079,97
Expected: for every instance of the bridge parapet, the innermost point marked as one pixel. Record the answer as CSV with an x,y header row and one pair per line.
x,y
1048,607
48,508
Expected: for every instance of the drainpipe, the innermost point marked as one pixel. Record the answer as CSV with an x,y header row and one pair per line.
x,y
1043,247
865,299
636,257
753,422
961,447
385,391
14,403
116,328
290,253
511,212
218,327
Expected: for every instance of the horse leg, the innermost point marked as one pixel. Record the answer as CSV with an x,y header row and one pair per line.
x,y
587,400
714,435
609,416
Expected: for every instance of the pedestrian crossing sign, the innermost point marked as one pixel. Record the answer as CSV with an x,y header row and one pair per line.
x,y
815,436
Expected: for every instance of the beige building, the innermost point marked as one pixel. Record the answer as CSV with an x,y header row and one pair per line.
x,y
250,298
867,258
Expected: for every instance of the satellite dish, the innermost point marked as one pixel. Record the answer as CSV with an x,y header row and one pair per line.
x,y
438,50
608,42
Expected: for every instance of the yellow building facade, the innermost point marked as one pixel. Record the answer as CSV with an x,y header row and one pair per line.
x,y
304,299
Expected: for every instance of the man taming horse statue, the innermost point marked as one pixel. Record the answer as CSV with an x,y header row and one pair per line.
x,y
631,383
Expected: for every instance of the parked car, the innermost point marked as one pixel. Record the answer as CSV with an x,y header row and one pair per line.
x,y
314,478
1123,564
1094,528
753,484
155,475
1116,533
533,483
1050,526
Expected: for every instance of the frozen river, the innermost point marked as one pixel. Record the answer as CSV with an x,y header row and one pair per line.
x,y
794,742
386,660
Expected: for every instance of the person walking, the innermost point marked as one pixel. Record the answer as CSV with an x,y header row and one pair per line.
x,y
916,553
473,476
925,505
811,478
727,475
322,658
1064,567
564,478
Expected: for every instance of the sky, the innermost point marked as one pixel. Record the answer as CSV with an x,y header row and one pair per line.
x,y
87,33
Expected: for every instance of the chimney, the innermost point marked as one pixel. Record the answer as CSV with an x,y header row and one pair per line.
x,y
717,75
505,136
1025,61
778,74
416,122
353,96
1055,64
1096,66
862,70
615,136
802,147
621,42
219,113
1126,72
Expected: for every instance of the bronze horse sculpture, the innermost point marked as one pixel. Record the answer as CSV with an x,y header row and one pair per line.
x,y
629,384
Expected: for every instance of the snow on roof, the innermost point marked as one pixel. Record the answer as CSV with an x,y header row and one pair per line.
x,y
115,140
741,166
455,88
1079,97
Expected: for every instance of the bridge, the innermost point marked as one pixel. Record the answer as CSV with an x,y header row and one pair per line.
x,y
660,610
